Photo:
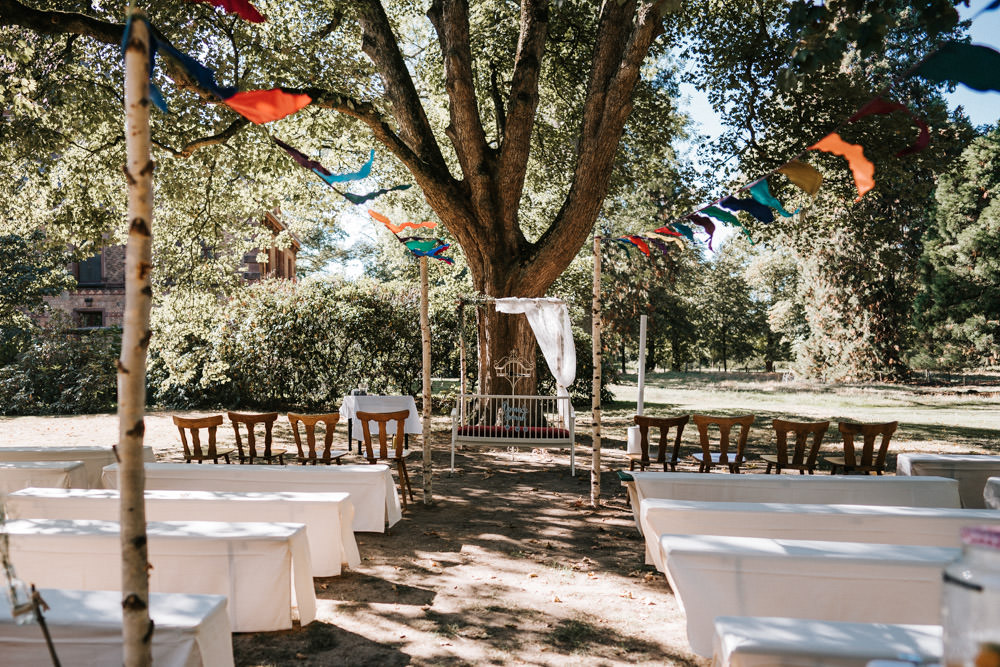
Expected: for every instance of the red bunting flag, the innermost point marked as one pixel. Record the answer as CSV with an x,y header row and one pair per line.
x,y
639,243
240,7
263,106
882,106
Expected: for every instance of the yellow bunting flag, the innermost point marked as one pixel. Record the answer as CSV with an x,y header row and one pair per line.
x,y
802,175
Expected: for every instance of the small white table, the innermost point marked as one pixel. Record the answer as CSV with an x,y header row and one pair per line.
x,y
16,475
262,568
742,641
86,628
327,516
94,458
371,487
970,470
876,524
828,581
351,405
991,493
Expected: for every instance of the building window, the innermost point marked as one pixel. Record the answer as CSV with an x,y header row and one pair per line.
x,y
90,318
89,272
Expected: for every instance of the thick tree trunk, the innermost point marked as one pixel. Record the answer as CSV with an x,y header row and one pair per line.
x,y
137,629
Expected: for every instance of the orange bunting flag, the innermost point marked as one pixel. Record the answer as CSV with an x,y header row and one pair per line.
x,y
861,167
394,228
639,243
263,106
803,175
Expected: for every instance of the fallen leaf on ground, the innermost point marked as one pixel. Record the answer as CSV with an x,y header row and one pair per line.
x,y
555,598
532,575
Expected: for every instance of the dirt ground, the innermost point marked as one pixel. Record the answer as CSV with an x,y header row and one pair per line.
x,y
509,565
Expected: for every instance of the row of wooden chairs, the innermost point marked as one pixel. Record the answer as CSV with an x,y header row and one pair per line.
x,y
801,456
195,452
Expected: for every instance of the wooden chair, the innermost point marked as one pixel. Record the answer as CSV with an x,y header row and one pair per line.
x,y
194,452
706,458
664,424
250,420
309,423
802,460
869,461
383,454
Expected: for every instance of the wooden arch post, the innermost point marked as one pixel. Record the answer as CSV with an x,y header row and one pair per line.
x,y
595,466
425,341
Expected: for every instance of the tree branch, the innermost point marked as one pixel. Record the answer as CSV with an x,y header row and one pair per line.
x,y
222,137
501,115
521,106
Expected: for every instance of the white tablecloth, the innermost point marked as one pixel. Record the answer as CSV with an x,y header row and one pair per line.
x,y
371,487
94,458
16,475
925,526
856,489
263,568
86,627
991,493
742,641
971,471
327,516
829,581
351,405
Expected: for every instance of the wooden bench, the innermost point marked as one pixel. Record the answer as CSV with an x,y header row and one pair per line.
x,y
495,420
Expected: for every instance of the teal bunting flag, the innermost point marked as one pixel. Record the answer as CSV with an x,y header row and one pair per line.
x,y
354,176
721,215
684,230
762,194
361,199
978,67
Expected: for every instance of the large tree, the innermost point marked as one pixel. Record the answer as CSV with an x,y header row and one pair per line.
x,y
505,97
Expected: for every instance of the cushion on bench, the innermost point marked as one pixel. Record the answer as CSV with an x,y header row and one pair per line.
x,y
535,432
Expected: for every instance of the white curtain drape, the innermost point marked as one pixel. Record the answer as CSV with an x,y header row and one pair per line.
x,y
549,320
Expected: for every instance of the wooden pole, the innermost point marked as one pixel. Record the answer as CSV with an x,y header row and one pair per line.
x,y
595,466
425,339
137,630
642,363
462,382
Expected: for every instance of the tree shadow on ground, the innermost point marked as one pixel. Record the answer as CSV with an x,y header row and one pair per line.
x,y
317,644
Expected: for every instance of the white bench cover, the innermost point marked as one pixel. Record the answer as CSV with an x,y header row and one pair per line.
x,y
970,470
371,487
263,568
86,628
93,458
860,489
991,493
879,524
17,475
327,516
828,581
742,641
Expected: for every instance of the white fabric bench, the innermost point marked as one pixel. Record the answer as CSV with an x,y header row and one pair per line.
x,y
495,420
970,470
829,581
262,568
93,458
925,526
832,489
991,493
372,490
741,641
17,475
327,516
86,628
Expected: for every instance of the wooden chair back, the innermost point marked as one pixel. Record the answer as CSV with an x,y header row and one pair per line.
x,y
309,424
194,452
804,454
725,425
382,419
664,424
250,421
870,460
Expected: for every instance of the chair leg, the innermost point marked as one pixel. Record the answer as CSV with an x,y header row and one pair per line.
x,y
768,471
406,474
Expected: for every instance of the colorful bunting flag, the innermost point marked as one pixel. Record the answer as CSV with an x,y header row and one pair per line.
x,y
394,228
861,167
978,67
762,193
361,199
684,230
805,176
751,206
705,222
240,7
427,247
662,246
203,75
263,106
882,106
639,243
154,92
353,176
667,230
721,215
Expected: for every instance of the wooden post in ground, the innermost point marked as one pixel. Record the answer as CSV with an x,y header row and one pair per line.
x,y
461,360
425,340
137,630
595,466
642,364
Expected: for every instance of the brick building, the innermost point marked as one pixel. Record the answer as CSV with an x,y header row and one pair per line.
x,y
99,299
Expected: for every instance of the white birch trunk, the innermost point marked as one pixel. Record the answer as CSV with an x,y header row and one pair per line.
x,y
425,340
595,466
137,630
